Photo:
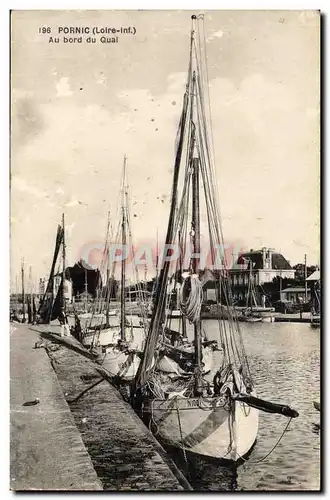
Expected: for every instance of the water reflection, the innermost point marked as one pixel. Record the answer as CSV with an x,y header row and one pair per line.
x,y
285,363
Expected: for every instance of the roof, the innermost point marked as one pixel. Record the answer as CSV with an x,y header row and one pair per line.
x,y
256,257
316,276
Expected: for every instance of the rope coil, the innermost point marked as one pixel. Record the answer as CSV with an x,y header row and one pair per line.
x,y
191,302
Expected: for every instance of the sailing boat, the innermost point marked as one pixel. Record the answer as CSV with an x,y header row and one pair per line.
x,y
185,410
121,342
19,312
22,316
31,305
52,306
254,313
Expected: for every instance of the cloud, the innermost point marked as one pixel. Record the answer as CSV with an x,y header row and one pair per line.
x,y
216,34
27,121
20,184
253,149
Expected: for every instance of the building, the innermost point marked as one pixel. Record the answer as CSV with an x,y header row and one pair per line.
x,y
57,283
262,266
314,277
295,294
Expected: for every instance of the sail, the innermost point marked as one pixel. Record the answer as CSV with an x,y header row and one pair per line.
x,y
159,306
47,302
57,306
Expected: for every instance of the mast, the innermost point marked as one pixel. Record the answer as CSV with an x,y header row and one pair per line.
x,y
108,285
30,296
107,297
123,260
16,293
123,273
63,268
251,287
305,274
195,267
183,318
157,252
23,292
86,289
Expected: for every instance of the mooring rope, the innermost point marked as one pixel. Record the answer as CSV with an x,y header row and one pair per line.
x,y
271,451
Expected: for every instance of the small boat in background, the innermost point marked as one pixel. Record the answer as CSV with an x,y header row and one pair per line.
x,y
315,320
252,319
317,406
316,305
117,335
254,313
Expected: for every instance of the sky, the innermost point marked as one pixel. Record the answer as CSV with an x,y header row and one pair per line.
x,y
77,109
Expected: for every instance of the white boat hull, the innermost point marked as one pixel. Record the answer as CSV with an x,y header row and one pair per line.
x,y
104,337
268,319
204,426
121,364
251,319
315,321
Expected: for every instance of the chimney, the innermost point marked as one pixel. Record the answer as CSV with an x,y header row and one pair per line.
x,y
264,257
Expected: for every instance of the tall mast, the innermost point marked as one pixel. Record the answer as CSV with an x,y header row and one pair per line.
x,y
157,252
30,296
305,276
195,226
108,285
251,288
183,318
63,268
86,289
23,292
123,260
16,293
195,266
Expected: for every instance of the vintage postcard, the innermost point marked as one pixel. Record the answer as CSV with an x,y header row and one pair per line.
x,y
165,300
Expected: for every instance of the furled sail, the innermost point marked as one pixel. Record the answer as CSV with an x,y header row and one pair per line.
x,y
47,303
160,294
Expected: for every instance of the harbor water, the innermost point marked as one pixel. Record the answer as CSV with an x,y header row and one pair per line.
x,y
284,360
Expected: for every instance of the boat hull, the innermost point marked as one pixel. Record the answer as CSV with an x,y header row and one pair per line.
x,y
268,319
209,427
104,337
121,365
250,319
315,321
